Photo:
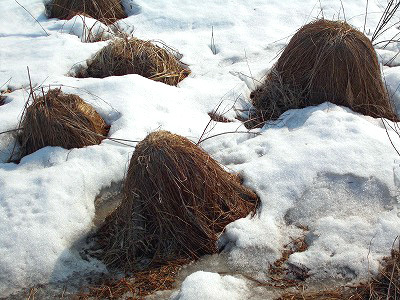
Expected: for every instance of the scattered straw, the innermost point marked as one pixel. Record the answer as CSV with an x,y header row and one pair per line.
x,y
139,285
325,61
386,285
177,201
57,119
106,11
133,56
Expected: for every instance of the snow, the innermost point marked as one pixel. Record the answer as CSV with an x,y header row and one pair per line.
x,y
212,286
324,168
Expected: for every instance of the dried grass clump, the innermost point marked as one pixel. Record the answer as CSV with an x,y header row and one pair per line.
x,y
177,200
133,56
106,11
58,119
325,61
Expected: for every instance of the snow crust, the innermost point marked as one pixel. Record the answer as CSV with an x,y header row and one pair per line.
x,y
324,168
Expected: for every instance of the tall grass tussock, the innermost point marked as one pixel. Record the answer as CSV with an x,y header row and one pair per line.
x,y
177,200
325,61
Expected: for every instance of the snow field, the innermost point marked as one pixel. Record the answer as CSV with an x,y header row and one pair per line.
x,y
325,167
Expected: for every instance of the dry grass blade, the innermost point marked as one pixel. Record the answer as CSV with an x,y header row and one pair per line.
x,y
58,119
106,11
177,200
133,56
217,117
325,61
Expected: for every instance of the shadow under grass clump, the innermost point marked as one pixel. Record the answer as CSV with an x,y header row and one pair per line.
x,y
325,61
177,200
106,11
134,56
58,119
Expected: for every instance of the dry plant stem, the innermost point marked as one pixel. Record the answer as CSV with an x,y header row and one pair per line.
x,y
177,200
209,122
325,61
365,17
389,12
133,56
32,17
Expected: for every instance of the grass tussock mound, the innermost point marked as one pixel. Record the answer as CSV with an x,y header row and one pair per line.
x,y
133,56
177,200
58,119
386,285
325,61
106,11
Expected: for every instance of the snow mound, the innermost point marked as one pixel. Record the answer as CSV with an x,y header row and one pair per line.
x,y
211,286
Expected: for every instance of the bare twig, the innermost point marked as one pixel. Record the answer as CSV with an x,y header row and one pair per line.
x,y
5,83
32,17
387,133
386,17
248,66
227,132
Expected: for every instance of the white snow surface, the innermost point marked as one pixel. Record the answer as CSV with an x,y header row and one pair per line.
x,y
327,168
212,286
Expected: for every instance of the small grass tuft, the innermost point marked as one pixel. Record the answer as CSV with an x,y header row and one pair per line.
x,y
58,119
134,56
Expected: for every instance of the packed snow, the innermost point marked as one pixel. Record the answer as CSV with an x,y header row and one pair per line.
x,y
324,173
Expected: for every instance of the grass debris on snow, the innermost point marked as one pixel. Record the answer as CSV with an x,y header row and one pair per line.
x,y
385,285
